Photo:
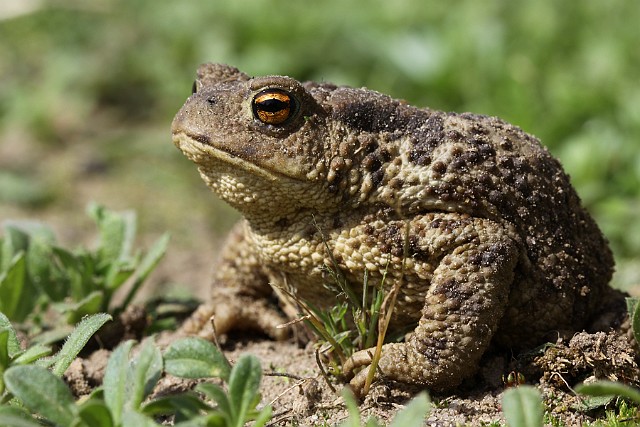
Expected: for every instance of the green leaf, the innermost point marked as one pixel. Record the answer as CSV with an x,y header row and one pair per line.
x,y
133,418
144,372
263,417
352,409
41,392
15,241
117,232
77,340
217,394
244,383
115,379
118,273
14,417
90,304
184,405
147,265
522,407
196,358
4,350
609,388
70,276
414,413
13,286
32,354
635,318
13,345
214,419
95,414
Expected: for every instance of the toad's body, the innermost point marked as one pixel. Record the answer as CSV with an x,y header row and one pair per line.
x,y
496,244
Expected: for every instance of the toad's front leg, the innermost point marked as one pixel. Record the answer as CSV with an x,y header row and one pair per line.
x,y
241,296
465,300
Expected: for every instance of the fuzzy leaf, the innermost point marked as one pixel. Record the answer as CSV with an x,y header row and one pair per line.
x,y
88,305
196,358
143,374
117,232
244,382
13,417
41,392
185,406
147,265
95,413
522,407
13,287
115,380
609,388
13,345
217,394
77,340
32,354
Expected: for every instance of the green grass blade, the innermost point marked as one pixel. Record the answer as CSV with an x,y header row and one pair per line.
x,y
77,340
115,380
196,358
522,407
41,392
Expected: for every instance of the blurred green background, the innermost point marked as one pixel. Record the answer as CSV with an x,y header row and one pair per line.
x,y
88,90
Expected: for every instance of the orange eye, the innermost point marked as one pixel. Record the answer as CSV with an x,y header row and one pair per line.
x,y
273,106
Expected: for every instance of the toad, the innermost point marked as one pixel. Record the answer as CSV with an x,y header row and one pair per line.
x,y
471,218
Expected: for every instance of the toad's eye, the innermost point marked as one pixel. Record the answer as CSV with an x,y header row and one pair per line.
x,y
273,106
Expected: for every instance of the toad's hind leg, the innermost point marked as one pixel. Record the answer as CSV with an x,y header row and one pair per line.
x,y
466,298
241,296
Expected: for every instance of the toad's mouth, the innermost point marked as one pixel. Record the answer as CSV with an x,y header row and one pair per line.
x,y
201,151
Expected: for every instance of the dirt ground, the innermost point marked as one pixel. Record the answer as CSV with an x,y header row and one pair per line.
x,y
301,396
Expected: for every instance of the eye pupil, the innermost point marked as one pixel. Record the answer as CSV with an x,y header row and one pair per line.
x,y
273,106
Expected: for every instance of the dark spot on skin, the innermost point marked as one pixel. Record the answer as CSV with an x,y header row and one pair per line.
x,y
428,136
491,256
282,223
439,167
454,135
201,138
371,163
378,114
377,177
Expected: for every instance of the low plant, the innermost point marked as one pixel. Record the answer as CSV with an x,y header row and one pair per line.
x,y
36,393
36,272
19,367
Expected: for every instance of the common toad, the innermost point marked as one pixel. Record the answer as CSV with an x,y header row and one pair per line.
x,y
497,248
